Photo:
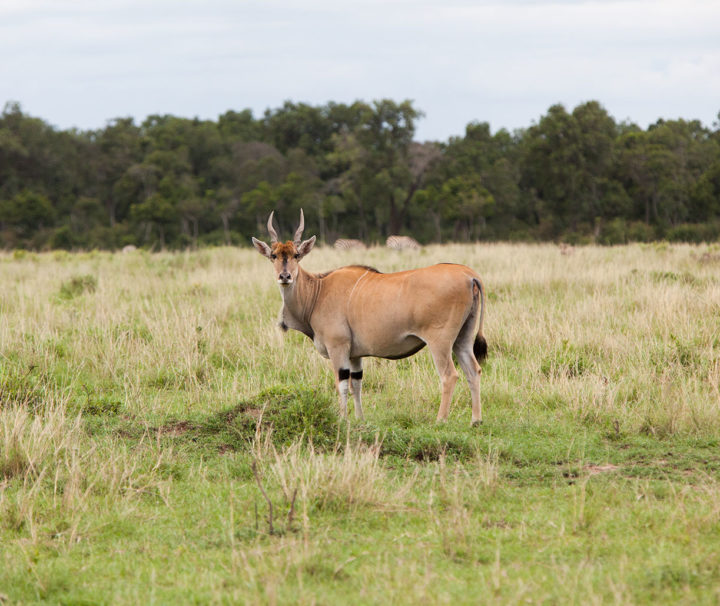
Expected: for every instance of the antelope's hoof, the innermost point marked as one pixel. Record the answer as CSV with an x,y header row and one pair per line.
x,y
476,423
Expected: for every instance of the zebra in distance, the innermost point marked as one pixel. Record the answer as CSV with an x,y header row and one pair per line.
x,y
402,243
348,244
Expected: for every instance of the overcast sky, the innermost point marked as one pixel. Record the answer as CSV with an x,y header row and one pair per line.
x,y
79,63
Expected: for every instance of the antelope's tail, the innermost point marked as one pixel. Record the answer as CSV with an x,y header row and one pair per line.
x,y
480,347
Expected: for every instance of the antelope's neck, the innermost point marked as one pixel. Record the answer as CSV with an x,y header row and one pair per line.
x,y
299,302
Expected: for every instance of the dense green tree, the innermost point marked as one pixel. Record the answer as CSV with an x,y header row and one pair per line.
x,y
568,163
357,171
239,127
25,213
705,195
493,161
662,168
154,213
390,169
117,147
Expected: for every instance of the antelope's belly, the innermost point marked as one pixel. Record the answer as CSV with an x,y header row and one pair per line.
x,y
386,346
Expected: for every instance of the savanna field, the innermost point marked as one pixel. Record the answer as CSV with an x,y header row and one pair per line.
x,y
163,442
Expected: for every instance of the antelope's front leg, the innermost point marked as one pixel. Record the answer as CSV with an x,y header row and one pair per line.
x,y
343,379
356,375
341,365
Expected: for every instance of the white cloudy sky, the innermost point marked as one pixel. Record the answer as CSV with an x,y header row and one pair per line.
x,y
78,63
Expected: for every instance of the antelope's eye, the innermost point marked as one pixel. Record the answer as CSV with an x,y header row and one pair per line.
x,y
297,256
273,256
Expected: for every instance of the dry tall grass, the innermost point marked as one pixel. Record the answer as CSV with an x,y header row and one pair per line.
x,y
625,334
622,342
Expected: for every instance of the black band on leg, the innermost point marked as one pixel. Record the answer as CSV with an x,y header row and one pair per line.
x,y
343,374
356,375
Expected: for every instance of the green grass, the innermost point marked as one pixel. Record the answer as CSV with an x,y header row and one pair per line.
x,y
151,414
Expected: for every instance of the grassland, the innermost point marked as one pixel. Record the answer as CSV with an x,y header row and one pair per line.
x,y
151,412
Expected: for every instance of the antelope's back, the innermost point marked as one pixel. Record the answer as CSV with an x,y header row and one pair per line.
x,y
410,302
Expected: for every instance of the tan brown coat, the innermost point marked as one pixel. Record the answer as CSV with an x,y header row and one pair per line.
x,y
355,311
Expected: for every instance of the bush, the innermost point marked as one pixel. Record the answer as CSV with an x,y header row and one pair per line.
x,y
291,413
694,232
641,232
77,285
567,360
63,238
614,232
620,231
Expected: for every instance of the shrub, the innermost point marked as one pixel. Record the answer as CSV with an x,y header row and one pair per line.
x,y
567,360
291,413
620,231
63,238
77,285
694,232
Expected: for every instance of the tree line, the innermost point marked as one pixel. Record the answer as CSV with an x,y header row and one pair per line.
x,y
358,172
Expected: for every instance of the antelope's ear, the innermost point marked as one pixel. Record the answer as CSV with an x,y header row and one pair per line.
x,y
306,246
262,248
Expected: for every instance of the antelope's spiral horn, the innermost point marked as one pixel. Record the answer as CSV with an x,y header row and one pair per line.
x,y
301,227
271,229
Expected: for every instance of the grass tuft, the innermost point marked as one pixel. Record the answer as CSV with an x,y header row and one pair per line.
x,y
288,413
78,285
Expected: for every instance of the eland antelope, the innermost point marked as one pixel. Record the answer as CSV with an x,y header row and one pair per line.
x,y
356,311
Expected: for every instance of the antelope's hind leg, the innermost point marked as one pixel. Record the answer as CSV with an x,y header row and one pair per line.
x,y
442,356
463,348
472,370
